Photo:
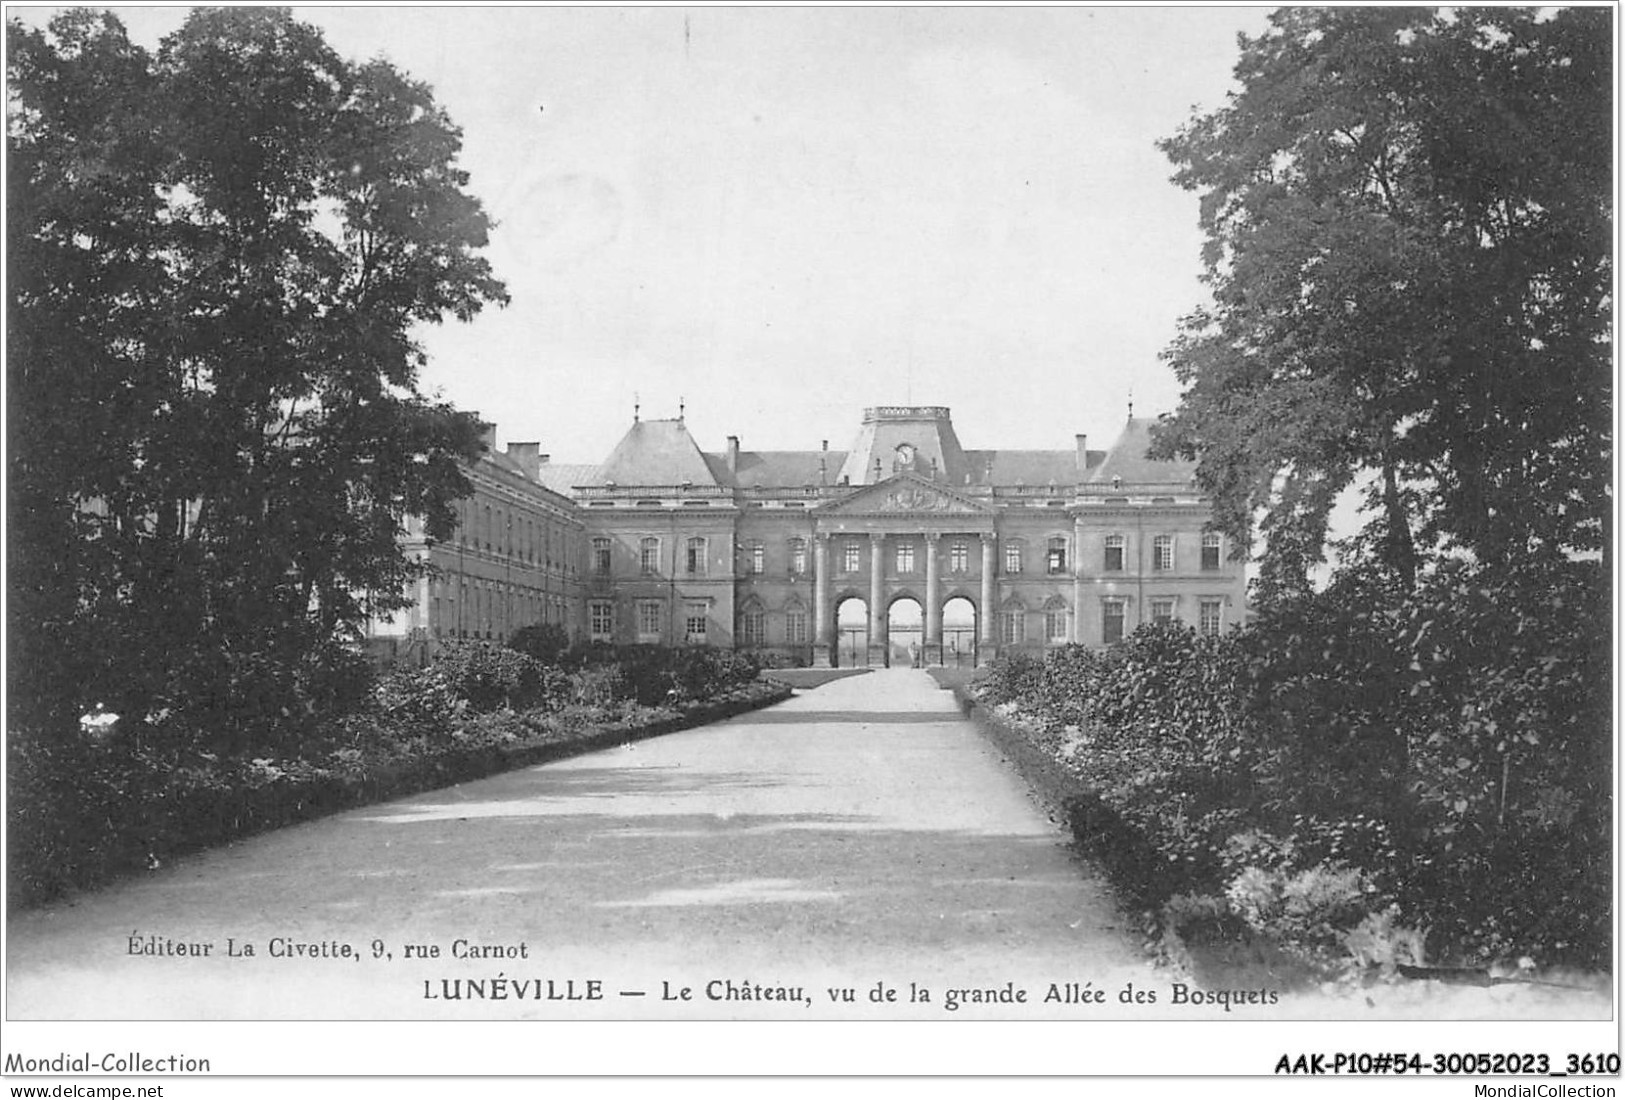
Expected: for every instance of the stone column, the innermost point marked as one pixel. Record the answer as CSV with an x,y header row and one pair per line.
x,y
821,611
877,597
933,602
1077,580
986,648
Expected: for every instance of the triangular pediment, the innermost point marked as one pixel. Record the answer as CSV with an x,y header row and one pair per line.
x,y
905,494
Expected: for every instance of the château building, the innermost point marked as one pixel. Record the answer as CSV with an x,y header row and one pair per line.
x,y
904,547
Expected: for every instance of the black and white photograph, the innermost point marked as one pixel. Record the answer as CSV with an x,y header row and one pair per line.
x,y
813,537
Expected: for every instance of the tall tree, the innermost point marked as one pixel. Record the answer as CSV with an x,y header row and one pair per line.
x,y
1408,220
220,254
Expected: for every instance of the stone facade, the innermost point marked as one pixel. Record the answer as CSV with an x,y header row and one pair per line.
x,y
905,547
518,558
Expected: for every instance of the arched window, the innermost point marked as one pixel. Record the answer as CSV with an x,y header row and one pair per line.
x,y
752,623
1055,620
795,623
1013,622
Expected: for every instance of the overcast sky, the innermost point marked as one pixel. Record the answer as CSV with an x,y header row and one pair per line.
x,y
785,215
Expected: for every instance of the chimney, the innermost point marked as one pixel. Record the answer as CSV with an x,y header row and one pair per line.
x,y
1083,453
488,432
529,458
733,454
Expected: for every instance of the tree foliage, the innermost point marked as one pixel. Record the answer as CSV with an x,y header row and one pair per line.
x,y
1408,220
219,256
1453,749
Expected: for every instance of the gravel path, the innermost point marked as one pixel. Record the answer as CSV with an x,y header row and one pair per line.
x,y
859,841
858,834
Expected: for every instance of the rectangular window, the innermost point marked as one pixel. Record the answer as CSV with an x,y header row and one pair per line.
x,y
959,558
1210,550
1012,557
849,558
1162,552
1013,626
756,559
648,621
649,556
795,626
600,557
694,557
603,620
1055,625
798,557
1055,556
1211,616
694,619
905,558
1114,553
1162,611
1111,621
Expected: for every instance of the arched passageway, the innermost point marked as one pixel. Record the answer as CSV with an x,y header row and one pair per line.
x,y
905,633
851,633
959,633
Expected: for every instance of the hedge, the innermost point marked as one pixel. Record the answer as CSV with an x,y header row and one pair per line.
x,y
1432,766
84,810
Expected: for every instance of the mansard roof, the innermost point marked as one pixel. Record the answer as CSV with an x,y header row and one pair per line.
x,y
886,428
1127,460
1028,467
655,452
781,469
662,453
562,477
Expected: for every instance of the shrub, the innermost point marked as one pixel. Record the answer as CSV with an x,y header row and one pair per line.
x,y
471,677
1014,678
545,642
1448,749
1313,906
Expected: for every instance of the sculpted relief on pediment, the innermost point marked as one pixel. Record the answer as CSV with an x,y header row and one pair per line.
x,y
905,497
914,498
